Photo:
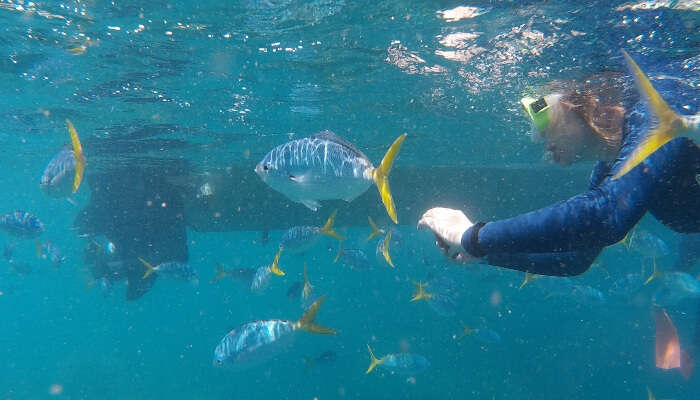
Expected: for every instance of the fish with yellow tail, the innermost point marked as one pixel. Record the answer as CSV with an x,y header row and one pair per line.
x,y
440,298
301,238
670,123
398,363
383,248
325,166
171,270
375,231
64,173
307,291
255,342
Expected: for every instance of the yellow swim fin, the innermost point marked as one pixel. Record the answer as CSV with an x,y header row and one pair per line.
x,y
385,249
654,274
375,231
420,293
220,273
274,268
528,278
78,155
671,124
149,268
327,229
381,177
373,361
307,323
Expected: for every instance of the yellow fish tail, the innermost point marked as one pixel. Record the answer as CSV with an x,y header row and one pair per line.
x,y
385,249
420,293
375,231
307,286
220,273
650,394
78,155
340,251
373,361
657,273
466,331
149,268
327,229
670,126
381,177
528,278
274,268
307,322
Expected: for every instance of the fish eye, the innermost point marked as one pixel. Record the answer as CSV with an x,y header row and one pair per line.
x,y
265,167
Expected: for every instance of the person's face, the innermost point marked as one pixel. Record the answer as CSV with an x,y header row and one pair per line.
x,y
567,137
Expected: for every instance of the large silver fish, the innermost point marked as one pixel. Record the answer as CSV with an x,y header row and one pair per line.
x,y
255,342
63,174
324,166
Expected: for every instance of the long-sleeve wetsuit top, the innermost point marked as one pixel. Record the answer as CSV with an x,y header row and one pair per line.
x,y
566,237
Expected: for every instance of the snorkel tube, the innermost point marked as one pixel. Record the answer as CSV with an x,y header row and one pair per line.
x,y
537,110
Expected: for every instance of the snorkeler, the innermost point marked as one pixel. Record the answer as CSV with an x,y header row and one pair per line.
x,y
141,215
564,239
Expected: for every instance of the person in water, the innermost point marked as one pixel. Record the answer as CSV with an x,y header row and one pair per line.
x,y
564,239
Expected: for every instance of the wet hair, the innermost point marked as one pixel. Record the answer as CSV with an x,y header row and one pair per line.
x,y
597,99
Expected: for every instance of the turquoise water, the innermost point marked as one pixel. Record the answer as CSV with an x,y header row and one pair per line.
x,y
198,92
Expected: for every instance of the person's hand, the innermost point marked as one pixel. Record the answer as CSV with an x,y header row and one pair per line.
x,y
448,225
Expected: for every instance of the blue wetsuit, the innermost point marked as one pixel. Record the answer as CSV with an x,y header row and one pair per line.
x,y
565,238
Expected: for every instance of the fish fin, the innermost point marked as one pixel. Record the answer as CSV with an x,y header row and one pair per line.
x,y
687,364
312,205
627,240
650,394
528,278
327,229
306,292
149,268
385,249
373,361
670,123
375,231
78,155
657,273
307,363
381,177
340,253
297,178
274,268
39,248
306,322
420,293
465,330
220,273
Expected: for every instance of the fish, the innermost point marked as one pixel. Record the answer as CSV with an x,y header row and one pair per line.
x,y
256,342
324,166
49,251
647,244
294,291
106,286
551,285
627,285
483,335
243,274
307,292
670,123
301,238
383,248
21,225
64,173
441,300
262,275
588,295
375,231
353,259
326,358
676,287
21,267
175,270
669,354
398,363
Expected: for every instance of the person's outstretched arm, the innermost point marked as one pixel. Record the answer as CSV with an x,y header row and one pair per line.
x,y
568,263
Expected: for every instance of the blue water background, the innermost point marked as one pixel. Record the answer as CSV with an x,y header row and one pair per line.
x,y
213,83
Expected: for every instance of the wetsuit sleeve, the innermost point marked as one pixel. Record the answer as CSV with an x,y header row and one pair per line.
x,y
569,263
594,219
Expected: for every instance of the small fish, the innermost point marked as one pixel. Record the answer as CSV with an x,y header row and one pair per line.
x,y
326,358
63,174
294,291
383,248
21,225
49,251
256,342
171,270
375,231
106,286
307,292
670,124
483,335
353,259
398,363
676,286
588,295
21,267
550,285
627,285
243,274
324,166
648,245
301,238
262,275
8,251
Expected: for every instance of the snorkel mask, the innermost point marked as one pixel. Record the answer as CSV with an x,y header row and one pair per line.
x,y
537,111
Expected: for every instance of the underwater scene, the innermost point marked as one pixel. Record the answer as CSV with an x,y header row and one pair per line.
x,y
227,199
